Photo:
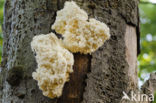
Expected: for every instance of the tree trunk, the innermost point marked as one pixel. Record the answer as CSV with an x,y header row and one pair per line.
x,y
100,77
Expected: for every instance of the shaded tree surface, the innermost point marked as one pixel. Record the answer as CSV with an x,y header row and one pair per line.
x,y
100,77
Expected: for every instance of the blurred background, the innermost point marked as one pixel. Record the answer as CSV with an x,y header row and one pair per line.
x,y
1,20
147,58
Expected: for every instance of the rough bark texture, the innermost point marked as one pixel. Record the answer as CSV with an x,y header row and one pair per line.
x,y
98,78
149,86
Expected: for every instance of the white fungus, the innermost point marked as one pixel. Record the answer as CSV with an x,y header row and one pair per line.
x,y
53,58
54,64
79,34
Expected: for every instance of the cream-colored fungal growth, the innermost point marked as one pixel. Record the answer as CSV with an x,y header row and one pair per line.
x,y
54,64
70,11
79,34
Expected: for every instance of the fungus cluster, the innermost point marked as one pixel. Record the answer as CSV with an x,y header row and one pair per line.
x,y
79,34
54,56
54,64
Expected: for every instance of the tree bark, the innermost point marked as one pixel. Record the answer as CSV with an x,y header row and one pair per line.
x,y
100,77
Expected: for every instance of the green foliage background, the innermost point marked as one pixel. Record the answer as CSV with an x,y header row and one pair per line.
x,y
147,58
1,19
